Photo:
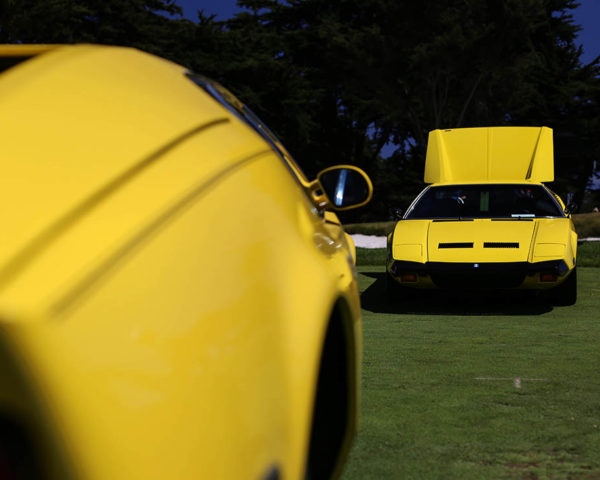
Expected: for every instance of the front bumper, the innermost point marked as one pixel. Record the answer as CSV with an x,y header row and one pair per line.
x,y
539,275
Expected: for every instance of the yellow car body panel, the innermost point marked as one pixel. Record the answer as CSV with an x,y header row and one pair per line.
x,y
343,239
486,220
542,239
499,154
409,241
166,282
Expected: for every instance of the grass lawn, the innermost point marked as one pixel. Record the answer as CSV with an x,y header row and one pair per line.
x,y
439,389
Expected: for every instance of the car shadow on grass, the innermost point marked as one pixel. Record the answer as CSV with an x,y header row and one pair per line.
x,y
456,302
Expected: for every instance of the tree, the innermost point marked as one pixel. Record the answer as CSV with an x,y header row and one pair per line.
x,y
338,80
151,25
375,70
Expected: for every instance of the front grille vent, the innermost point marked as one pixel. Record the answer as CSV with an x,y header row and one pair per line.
x,y
501,245
456,245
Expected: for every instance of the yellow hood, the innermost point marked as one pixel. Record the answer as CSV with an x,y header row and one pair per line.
x,y
480,241
497,154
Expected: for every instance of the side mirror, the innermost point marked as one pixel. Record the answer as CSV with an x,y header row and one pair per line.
x,y
342,187
396,213
571,205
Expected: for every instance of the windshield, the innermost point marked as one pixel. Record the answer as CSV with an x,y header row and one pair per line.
x,y
485,201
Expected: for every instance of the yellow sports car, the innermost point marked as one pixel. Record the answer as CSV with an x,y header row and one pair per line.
x,y
175,300
486,220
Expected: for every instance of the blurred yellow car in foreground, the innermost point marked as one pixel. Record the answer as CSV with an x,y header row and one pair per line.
x,y
175,302
486,221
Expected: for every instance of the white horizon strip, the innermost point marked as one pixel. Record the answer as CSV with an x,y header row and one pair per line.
x,y
513,378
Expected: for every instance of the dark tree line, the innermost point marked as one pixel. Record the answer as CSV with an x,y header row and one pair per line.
x,y
363,81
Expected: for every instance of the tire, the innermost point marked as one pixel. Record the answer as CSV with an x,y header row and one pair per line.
x,y
566,293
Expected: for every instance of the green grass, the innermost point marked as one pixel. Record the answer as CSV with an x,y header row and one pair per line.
x,y
586,225
370,256
370,228
588,255
438,390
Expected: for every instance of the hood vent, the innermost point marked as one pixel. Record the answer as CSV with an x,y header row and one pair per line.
x,y
501,245
456,245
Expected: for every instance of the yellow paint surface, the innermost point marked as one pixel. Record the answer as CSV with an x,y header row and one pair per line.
x,y
166,282
490,154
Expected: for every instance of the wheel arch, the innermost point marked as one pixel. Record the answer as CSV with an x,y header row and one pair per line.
x,y
335,404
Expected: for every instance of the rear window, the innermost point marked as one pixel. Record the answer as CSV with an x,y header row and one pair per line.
x,y
485,201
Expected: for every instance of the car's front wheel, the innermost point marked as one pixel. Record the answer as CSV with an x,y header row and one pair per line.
x,y
566,293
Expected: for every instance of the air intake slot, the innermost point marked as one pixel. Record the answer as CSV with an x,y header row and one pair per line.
x,y
501,245
456,245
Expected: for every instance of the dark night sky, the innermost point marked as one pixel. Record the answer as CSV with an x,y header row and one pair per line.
x,y
587,15
224,9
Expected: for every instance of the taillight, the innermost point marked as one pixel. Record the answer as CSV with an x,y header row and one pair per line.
x,y
408,277
548,277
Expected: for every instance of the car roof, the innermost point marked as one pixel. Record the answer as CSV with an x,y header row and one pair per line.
x,y
490,154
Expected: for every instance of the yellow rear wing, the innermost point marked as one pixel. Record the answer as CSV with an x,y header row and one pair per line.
x,y
503,154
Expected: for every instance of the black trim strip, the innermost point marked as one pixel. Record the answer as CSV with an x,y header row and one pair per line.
x,y
500,244
549,266
452,219
518,219
456,245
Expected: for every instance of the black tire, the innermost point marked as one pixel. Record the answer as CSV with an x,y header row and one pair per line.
x,y
566,293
